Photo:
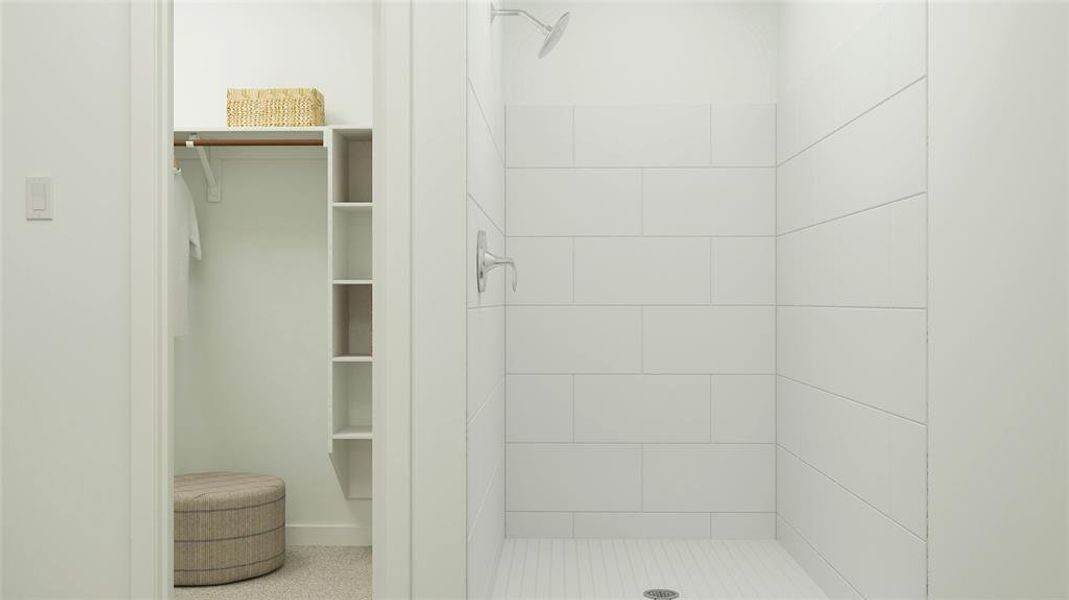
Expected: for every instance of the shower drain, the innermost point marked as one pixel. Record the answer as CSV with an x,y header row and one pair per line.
x,y
661,594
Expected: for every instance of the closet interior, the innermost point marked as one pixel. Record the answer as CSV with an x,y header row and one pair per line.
x,y
274,364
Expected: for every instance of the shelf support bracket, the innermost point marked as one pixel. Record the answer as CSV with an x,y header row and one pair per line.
x,y
202,154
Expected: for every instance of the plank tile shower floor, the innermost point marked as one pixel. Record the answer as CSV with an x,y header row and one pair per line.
x,y
552,569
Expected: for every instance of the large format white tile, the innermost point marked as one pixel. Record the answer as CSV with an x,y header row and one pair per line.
x,y
708,478
878,457
876,555
742,526
574,202
875,356
879,158
642,271
642,525
486,170
744,408
538,524
868,62
626,136
495,240
545,269
744,270
709,201
486,451
583,477
874,258
486,363
744,135
709,339
539,136
539,408
574,339
641,408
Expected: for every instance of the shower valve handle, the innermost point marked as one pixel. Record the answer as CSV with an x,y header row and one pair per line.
x,y
485,262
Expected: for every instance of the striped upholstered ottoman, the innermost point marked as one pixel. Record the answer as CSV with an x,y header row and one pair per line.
x,y
227,527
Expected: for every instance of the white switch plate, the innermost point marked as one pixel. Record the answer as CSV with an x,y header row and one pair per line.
x,y
39,199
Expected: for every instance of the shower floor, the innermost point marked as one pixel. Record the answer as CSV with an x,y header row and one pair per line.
x,y
588,569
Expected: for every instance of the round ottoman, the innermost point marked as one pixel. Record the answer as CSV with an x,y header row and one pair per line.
x,y
227,527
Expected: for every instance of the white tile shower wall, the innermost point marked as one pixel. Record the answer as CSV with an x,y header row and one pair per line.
x,y
852,294
486,311
641,341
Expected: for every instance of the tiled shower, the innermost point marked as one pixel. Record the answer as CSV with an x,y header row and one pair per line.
x,y
719,331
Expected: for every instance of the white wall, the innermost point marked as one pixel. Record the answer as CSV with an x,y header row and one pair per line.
x,y
486,311
852,296
643,52
998,300
224,44
66,291
640,350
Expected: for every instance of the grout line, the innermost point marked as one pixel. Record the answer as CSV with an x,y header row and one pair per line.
x,y
573,136
712,269
573,270
640,443
642,339
854,494
642,479
665,305
490,130
858,402
637,166
486,214
712,405
635,373
851,307
854,213
818,554
853,120
485,402
775,315
654,236
573,408
652,512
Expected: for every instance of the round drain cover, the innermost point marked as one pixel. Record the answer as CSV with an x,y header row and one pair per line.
x,y
661,594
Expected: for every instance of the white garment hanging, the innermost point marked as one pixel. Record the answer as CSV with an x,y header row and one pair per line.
x,y
185,243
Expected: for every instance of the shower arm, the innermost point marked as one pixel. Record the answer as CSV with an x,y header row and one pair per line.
x,y
512,12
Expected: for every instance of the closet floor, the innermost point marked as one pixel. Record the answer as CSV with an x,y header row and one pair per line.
x,y
552,569
310,573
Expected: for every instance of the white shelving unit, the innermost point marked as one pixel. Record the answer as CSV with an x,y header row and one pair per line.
x,y
351,269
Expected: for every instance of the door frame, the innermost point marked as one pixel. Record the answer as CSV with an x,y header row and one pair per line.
x,y
151,410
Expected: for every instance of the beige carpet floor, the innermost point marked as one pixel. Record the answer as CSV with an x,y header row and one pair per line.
x,y
310,573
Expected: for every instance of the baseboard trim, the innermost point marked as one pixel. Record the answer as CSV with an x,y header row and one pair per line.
x,y
327,535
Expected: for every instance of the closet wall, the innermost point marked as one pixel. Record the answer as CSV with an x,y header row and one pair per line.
x,y
486,311
852,295
641,342
282,44
251,377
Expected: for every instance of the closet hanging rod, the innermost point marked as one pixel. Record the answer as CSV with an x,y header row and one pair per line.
x,y
264,142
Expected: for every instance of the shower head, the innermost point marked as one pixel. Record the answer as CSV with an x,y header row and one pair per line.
x,y
553,34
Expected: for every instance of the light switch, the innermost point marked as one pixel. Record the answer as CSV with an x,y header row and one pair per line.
x,y
39,199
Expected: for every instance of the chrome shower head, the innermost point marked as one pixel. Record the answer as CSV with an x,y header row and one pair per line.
x,y
553,34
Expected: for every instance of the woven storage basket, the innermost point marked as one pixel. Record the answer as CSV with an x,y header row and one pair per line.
x,y
274,107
